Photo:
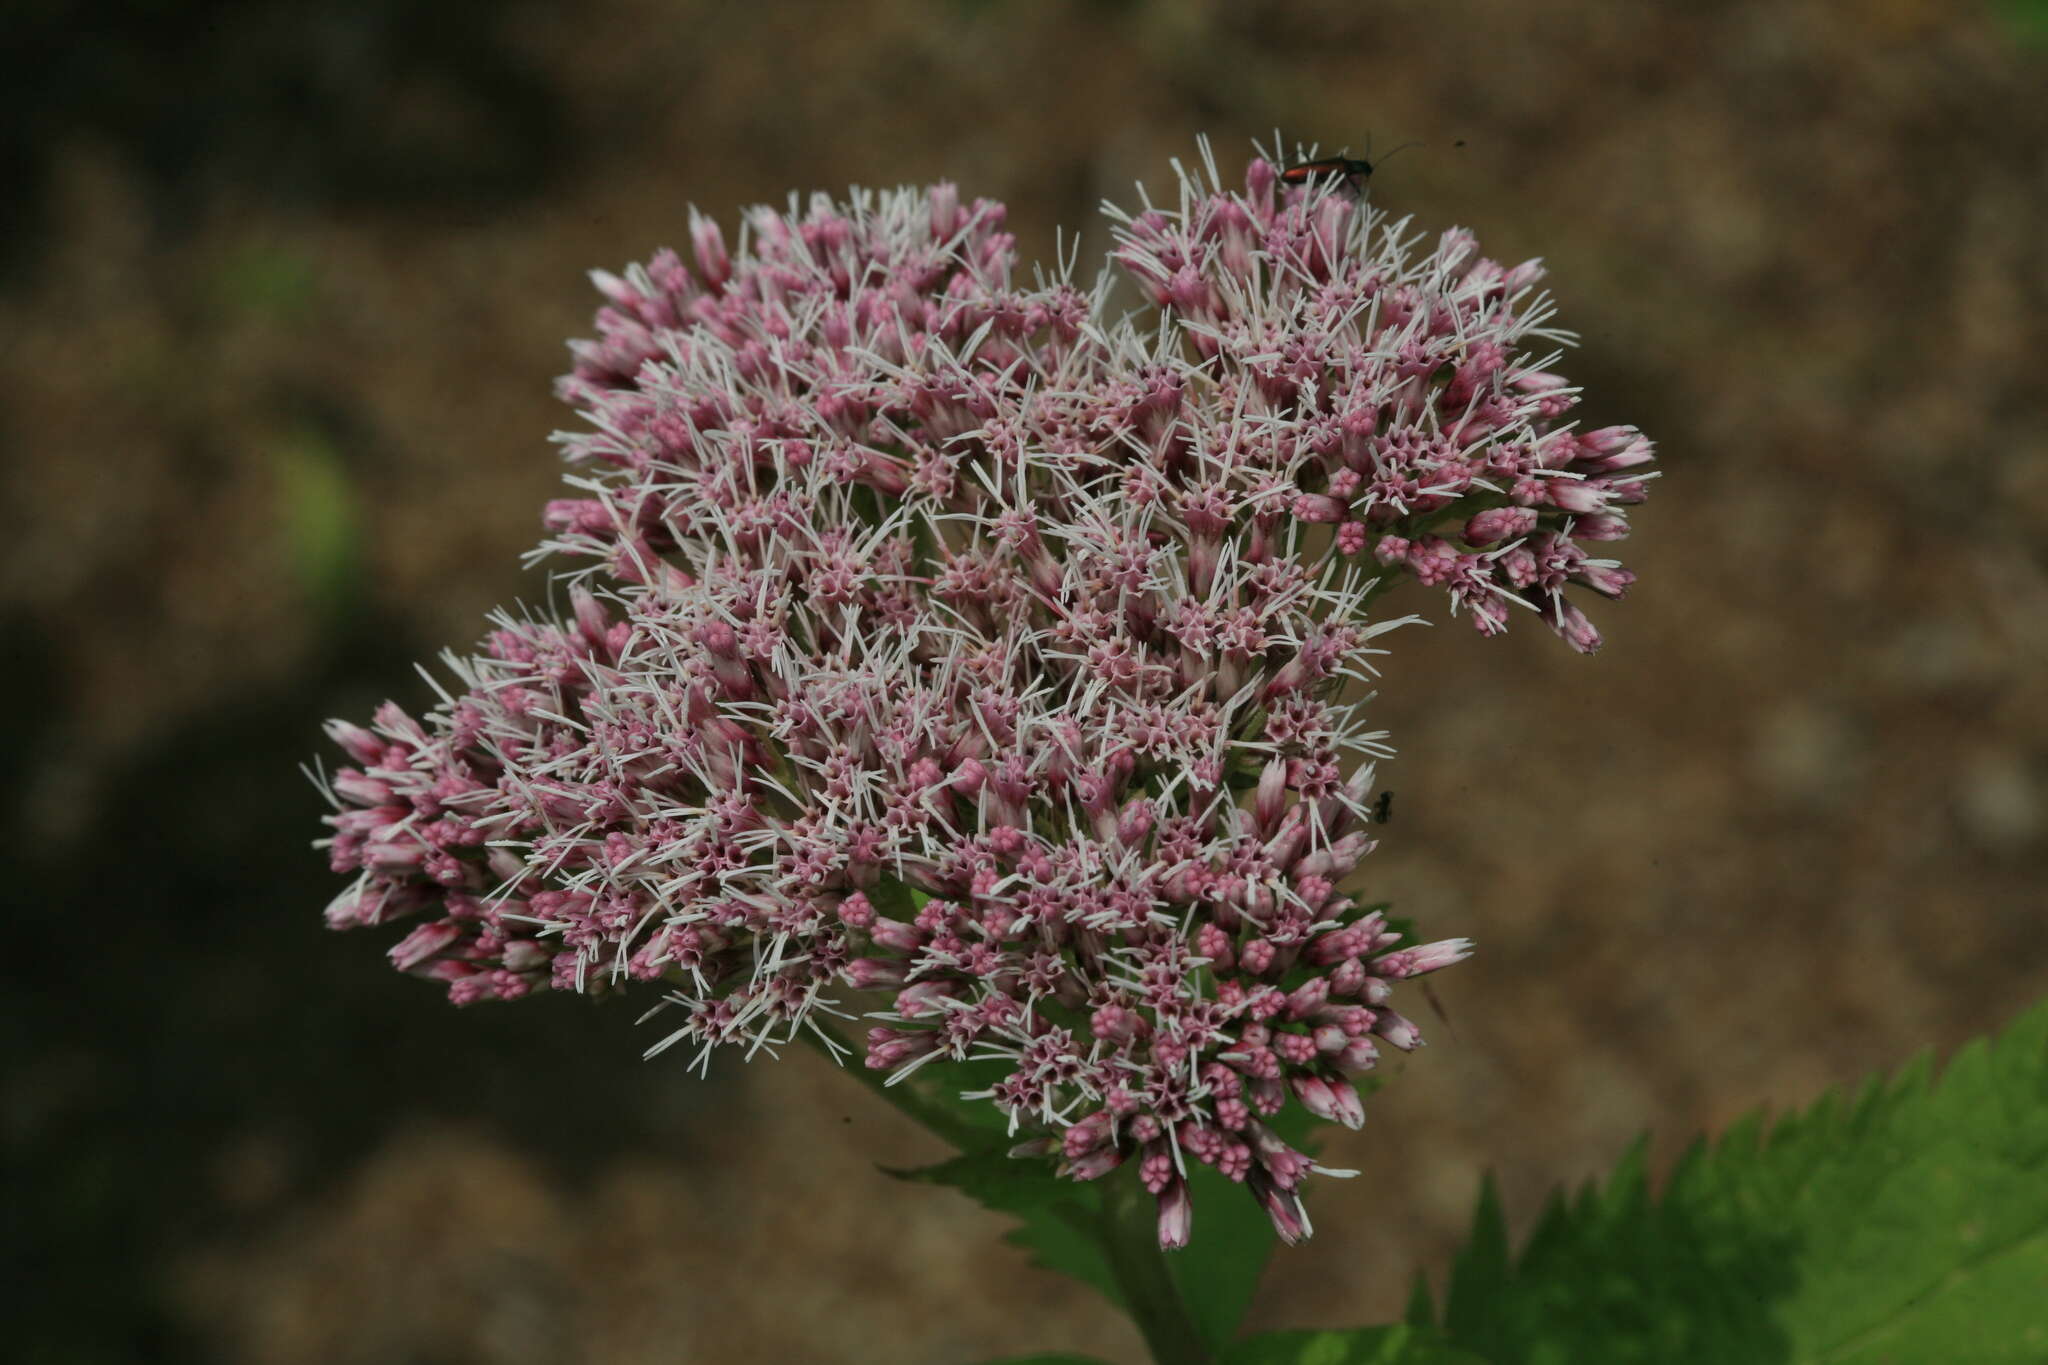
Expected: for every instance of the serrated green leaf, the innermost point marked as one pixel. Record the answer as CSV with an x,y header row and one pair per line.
x,y
1057,1217
1907,1224
1397,1345
1216,1274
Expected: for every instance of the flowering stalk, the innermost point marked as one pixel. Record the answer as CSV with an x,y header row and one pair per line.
x,y
937,635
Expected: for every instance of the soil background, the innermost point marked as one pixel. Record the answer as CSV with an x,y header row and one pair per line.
x,y
284,288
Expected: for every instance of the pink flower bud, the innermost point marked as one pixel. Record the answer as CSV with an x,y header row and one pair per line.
x,y
392,856
708,243
1605,579
1317,507
1176,1215
350,909
351,785
719,638
1427,957
1357,1056
1272,795
1213,943
969,778
1499,523
1616,449
1600,526
889,1048
1573,495
423,942
593,622
1260,177
1571,624
1134,823
1095,1164
1335,1101
1337,861
360,744
525,955
1114,1023
1283,1207
875,973
1398,1030
892,933
925,998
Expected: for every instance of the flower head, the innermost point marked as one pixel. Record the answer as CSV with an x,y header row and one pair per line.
x,y
933,633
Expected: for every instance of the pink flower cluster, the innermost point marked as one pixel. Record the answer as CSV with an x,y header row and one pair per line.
x,y
936,634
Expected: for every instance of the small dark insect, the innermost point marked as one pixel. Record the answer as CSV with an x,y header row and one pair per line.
x,y
1349,171
1383,809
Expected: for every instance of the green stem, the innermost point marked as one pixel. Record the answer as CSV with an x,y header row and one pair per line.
x,y
1130,1238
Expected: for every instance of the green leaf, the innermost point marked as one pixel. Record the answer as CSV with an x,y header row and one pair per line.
x,y
1908,1224
1399,1345
1058,1217
1058,1359
1217,1272
897,900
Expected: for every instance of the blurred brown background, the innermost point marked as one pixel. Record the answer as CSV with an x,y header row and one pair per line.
x,y
285,285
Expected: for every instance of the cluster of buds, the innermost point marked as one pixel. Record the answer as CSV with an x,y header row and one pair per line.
x,y
930,633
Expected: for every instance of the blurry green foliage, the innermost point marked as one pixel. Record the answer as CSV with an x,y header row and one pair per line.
x,y
2027,18
1398,1345
265,282
319,521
